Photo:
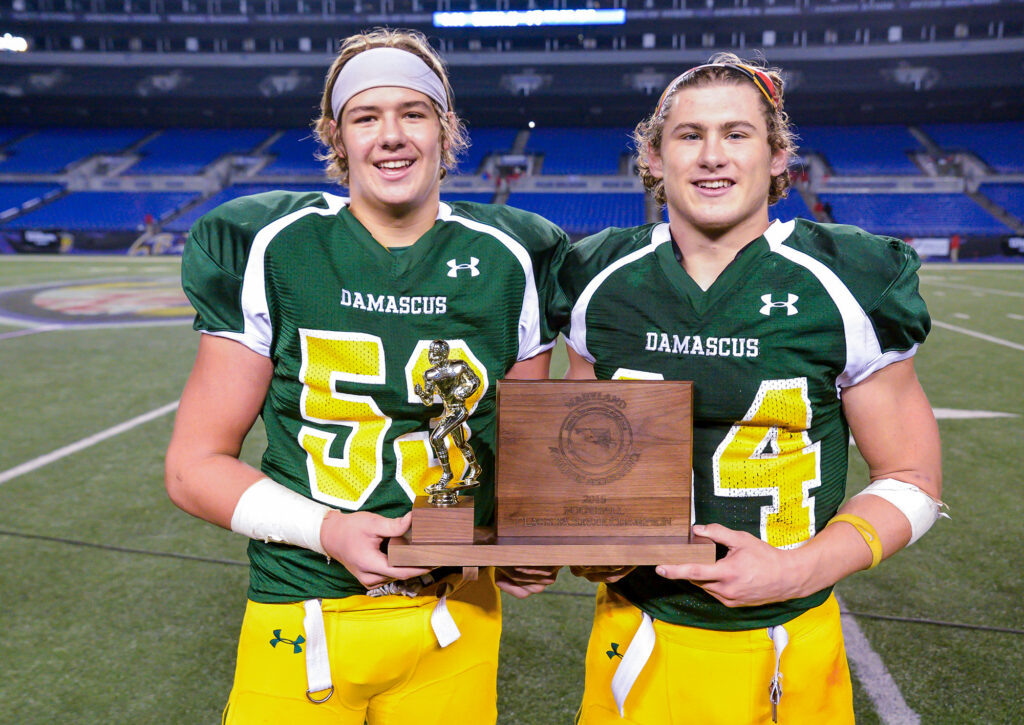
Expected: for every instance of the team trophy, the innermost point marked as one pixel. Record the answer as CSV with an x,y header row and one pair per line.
x,y
588,472
453,381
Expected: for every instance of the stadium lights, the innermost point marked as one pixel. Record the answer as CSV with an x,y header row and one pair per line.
x,y
13,43
533,18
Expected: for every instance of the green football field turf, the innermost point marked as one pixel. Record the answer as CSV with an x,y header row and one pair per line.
x,y
119,608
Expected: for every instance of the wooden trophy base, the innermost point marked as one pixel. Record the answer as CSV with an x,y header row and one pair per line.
x,y
488,549
442,525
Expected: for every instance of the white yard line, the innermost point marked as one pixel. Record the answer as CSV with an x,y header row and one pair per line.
x,y
86,442
970,288
979,335
868,668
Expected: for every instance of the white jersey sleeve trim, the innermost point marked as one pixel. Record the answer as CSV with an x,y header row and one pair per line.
x,y
577,339
530,344
258,333
864,354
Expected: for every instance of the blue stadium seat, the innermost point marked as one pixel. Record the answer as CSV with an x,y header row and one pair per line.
x,y
480,198
914,215
11,133
102,210
580,150
997,144
791,207
50,151
1009,196
580,214
484,141
296,155
14,196
189,151
184,222
862,150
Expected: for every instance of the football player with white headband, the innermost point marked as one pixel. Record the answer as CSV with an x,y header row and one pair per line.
x,y
796,334
318,312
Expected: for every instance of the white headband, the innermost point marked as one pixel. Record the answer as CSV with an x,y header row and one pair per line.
x,y
378,67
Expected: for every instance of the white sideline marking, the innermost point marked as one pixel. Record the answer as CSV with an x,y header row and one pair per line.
x,y
978,291
29,331
85,443
1014,317
979,335
868,667
956,414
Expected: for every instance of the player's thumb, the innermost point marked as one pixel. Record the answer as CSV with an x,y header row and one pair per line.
x,y
395,527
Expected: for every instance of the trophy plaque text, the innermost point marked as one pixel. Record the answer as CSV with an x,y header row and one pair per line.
x,y
588,473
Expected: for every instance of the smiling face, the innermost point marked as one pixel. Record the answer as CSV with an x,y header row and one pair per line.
x,y
391,139
716,163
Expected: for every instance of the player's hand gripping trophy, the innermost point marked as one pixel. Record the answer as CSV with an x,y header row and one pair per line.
x,y
453,381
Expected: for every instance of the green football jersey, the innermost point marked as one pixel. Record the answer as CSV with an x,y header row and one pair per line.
x,y
800,313
347,324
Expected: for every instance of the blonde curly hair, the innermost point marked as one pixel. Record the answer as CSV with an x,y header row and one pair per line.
x,y
648,133
454,139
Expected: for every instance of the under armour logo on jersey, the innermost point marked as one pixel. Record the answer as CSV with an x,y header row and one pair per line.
x,y
454,267
295,643
789,304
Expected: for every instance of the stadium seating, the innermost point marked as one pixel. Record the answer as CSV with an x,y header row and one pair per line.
x,y
997,144
10,133
914,215
189,151
580,214
467,196
580,150
295,151
102,210
15,196
1009,196
791,207
51,151
184,222
484,141
862,150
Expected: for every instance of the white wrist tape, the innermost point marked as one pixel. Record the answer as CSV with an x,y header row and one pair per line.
x,y
920,509
271,512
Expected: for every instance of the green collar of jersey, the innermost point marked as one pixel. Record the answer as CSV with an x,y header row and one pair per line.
x,y
397,261
700,300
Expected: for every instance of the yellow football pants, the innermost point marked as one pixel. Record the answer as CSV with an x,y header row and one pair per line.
x,y
718,678
386,664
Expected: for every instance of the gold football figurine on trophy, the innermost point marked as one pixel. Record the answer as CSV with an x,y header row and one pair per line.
x,y
453,381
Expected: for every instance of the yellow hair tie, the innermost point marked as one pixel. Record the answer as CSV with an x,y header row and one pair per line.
x,y
867,531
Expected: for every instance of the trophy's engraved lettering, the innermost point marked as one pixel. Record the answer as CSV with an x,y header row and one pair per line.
x,y
595,499
577,400
587,521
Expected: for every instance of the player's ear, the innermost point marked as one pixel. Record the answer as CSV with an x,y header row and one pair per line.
x,y
780,160
336,144
654,161
446,143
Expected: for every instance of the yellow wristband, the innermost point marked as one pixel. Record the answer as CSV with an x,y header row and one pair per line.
x,y
867,531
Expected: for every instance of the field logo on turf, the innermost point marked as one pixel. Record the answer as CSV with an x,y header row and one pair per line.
x,y
295,643
99,302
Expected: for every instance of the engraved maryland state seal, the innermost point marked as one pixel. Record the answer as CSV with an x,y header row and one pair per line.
x,y
595,442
